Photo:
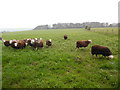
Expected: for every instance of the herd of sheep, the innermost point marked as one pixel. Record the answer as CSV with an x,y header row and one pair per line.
x,y
38,43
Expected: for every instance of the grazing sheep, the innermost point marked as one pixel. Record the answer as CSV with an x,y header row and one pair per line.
x,y
83,43
105,51
32,41
65,36
35,39
49,42
13,45
28,41
37,43
18,44
6,43
41,42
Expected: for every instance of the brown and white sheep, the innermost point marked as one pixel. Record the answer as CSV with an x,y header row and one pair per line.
x,y
83,43
65,36
6,43
18,44
37,43
49,42
105,51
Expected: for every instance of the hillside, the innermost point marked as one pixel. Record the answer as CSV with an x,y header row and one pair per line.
x,y
61,66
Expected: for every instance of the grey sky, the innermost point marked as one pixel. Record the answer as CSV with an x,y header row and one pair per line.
x,y
30,13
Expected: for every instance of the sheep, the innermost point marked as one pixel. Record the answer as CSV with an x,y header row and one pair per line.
x,y
49,42
18,44
65,36
105,51
13,45
6,43
37,43
83,43
28,41
41,43
32,41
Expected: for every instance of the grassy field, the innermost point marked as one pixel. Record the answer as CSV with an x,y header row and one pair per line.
x,y
113,30
60,66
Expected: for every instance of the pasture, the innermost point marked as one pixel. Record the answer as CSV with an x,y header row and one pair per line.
x,y
61,66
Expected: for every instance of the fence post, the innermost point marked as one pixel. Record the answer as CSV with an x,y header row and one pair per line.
x,y
112,30
107,30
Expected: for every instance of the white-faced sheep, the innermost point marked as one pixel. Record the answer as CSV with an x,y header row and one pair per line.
x,y
49,42
37,43
83,43
18,44
6,43
105,51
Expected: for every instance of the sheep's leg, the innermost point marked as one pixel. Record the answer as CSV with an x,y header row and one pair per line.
x,y
96,55
92,55
47,46
76,48
33,48
103,56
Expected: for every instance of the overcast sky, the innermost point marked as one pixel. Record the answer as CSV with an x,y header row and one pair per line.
x,y
30,13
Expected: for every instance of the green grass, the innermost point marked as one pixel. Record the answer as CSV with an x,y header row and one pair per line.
x,y
60,66
112,31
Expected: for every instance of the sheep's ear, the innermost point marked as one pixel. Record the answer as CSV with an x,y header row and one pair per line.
x,y
35,38
90,41
40,38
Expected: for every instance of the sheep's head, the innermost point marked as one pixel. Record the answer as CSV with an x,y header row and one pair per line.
x,y
10,41
35,38
90,41
26,44
32,41
15,44
40,38
50,40
110,56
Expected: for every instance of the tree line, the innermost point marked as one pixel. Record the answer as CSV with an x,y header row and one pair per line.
x,y
86,25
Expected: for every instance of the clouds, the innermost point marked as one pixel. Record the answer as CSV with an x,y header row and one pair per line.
x,y
30,13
